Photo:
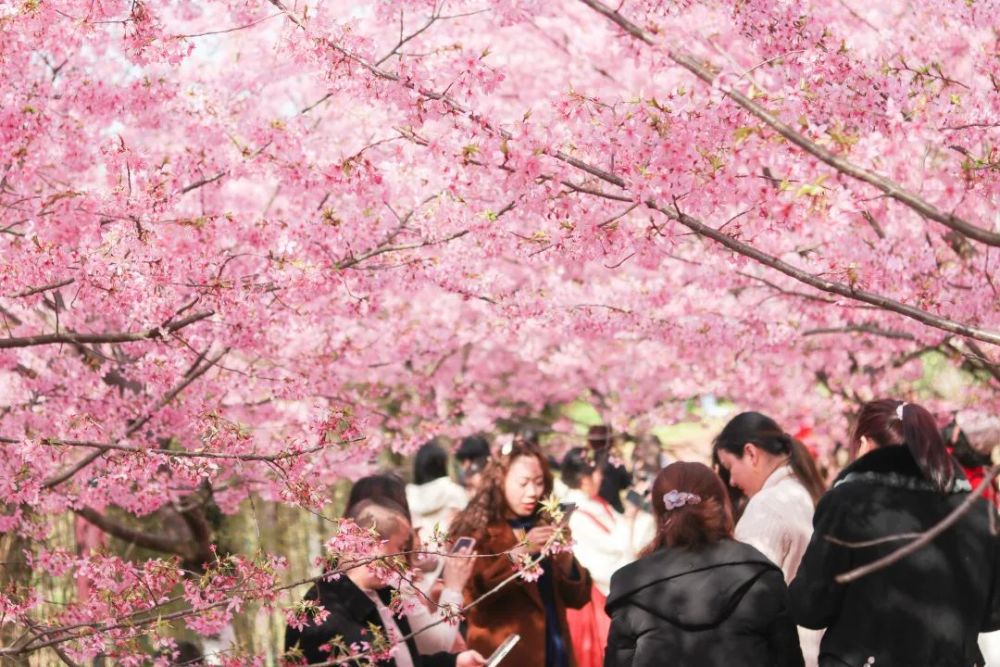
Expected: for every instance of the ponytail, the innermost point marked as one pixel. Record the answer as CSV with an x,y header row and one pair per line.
x,y
921,435
806,471
888,423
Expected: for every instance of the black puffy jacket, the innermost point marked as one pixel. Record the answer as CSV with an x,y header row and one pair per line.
x,y
923,611
723,605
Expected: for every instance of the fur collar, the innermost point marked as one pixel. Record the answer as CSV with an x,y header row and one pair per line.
x,y
895,467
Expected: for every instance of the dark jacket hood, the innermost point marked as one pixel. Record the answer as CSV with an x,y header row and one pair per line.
x,y
691,588
894,466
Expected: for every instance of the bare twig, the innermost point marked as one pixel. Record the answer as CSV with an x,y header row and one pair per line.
x,y
202,182
861,328
228,30
618,216
353,261
871,543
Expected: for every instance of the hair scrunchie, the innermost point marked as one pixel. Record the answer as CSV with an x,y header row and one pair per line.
x,y
674,499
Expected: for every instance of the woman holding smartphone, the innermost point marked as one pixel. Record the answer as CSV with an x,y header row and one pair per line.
x,y
504,518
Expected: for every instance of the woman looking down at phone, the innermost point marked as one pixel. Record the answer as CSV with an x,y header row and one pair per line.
x,y
504,517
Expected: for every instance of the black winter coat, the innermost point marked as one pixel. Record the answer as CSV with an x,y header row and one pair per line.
x,y
923,611
722,605
614,480
351,612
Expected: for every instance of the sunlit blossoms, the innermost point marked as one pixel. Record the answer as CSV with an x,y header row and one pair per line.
x,y
248,246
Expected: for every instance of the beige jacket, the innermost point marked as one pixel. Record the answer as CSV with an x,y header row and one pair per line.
x,y
778,522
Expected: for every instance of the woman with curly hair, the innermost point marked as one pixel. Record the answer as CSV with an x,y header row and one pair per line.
x,y
505,518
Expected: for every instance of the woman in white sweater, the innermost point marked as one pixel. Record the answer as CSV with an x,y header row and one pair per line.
x,y
433,497
781,480
605,540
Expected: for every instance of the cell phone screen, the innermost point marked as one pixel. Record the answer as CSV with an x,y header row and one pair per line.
x,y
503,650
567,510
463,543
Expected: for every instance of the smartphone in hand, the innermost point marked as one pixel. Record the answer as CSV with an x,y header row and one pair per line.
x,y
567,511
635,498
463,543
502,650
427,583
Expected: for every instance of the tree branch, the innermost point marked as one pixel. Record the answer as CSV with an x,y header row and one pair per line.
x,y
151,615
983,361
183,453
848,291
861,328
889,187
201,536
118,337
44,288
353,261
192,375
202,182
132,535
925,538
135,425
695,225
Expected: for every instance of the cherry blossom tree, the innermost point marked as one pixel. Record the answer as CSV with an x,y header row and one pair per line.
x,y
247,246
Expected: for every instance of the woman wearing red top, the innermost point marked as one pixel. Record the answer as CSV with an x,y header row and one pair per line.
x,y
974,463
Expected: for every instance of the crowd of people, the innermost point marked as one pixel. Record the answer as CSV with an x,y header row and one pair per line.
x,y
753,561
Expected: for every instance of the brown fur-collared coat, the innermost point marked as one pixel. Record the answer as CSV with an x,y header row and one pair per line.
x,y
518,607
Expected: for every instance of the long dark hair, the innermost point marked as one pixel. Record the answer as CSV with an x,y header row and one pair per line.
x,y
578,463
764,432
430,463
704,522
489,505
889,422
961,449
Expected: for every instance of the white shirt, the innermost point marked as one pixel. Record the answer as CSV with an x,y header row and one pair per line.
x,y
605,540
434,504
778,522
400,652
442,636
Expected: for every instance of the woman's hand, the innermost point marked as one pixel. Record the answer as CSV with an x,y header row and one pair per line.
x,y
538,537
564,559
535,540
469,659
457,569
